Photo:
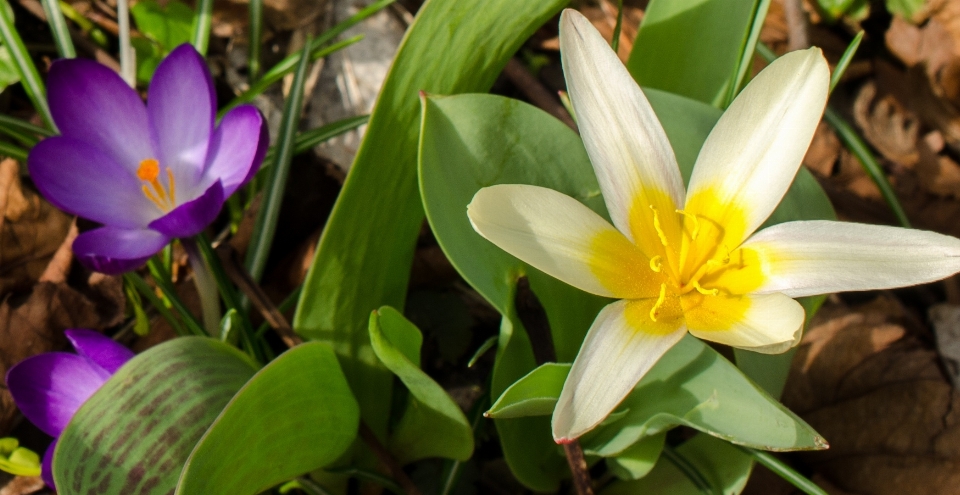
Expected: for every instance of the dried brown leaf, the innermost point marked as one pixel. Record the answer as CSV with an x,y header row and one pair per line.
x,y
878,394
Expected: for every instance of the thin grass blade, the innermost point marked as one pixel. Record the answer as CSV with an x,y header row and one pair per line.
x,y
749,47
845,60
256,32
200,39
58,26
266,224
786,472
28,71
306,140
13,151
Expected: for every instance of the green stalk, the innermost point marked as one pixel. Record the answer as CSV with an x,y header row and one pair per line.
x,y
615,42
266,224
256,33
200,38
206,287
146,291
786,472
28,72
162,278
58,26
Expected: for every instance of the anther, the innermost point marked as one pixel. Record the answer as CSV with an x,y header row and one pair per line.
x,y
711,292
148,170
656,306
656,264
696,223
656,225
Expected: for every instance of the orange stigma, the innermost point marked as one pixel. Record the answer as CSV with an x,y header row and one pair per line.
x,y
149,172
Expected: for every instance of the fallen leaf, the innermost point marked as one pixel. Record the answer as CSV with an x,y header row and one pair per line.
x,y
878,394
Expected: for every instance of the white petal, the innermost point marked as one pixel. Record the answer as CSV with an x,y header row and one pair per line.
x,y
767,323
563,238
633,160
820,257
621,346
750,158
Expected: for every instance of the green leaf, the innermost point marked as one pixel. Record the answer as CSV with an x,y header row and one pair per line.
x,y
295,415
432,425
364,257
724,467
638,459
694,48
690,385
533,395
135,433
169,26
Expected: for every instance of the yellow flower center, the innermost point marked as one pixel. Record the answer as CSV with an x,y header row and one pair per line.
x,y
681,264
163,197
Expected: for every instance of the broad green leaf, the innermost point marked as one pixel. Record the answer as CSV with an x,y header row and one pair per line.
x,y
135,433
8,69
432,424
905,8
638,459
364,257
691,385
295,415
694,48
724,467
472,141
533,395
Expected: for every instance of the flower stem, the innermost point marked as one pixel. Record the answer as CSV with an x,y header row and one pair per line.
x,y
578,466
162,278
206,287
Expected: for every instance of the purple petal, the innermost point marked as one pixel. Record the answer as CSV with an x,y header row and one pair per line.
x,y
181,106
191,218
50,387
84,180
46,469
237,148
102,350
113,251
91,103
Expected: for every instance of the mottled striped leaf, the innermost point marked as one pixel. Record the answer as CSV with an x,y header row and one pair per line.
x,y
295,415
135,433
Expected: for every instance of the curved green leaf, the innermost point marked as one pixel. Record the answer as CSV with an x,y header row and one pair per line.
x,y
638,459
432,424
691,385
135,433
295,415
533,395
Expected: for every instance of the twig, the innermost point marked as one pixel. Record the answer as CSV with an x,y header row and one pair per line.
x,y
797,38
533,89
578,466
387,459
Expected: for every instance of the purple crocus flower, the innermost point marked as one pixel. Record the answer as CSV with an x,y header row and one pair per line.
x,y
148,173
50,387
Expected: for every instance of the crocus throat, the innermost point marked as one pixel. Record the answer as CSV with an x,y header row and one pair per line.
x,y
149,172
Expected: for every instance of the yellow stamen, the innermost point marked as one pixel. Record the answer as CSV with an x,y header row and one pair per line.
x,y
656,225
656,305
173,187
696,223
149,172
656,264
711,292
